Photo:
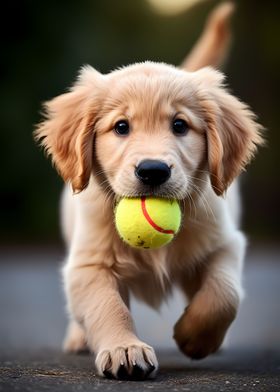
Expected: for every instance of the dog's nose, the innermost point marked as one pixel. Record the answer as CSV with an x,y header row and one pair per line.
x,y
152,172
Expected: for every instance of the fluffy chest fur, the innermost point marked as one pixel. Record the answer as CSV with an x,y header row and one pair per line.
x,y
149,274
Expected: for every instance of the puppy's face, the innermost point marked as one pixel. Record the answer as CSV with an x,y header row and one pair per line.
x,y
149,129
150,137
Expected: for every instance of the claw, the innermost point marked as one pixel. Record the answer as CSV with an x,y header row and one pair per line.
x,y
133,363
122,373
151,368
108,374
137,373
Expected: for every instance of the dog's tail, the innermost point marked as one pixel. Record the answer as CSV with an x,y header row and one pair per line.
x,y
213,45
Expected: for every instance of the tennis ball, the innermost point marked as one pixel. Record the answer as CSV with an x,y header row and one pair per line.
x,y
147,222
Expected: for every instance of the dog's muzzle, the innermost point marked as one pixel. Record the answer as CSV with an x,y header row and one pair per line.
x,y
152,172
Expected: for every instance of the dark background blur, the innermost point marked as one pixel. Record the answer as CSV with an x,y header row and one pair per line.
x,y
45,43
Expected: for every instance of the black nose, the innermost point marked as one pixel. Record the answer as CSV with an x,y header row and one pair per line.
x,y
152,172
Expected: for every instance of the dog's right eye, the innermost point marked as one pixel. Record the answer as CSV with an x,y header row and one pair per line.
x,y
122,128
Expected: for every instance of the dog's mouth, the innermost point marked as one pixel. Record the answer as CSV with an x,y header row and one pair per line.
x,y
120,190
162,191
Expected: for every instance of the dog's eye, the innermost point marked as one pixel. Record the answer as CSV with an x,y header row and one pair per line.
x,y
122,128
180,127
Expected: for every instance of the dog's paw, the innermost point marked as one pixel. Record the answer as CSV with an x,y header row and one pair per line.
x,y
197,336
75,340
134,362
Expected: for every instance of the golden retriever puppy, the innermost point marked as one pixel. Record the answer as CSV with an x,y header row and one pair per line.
x,y
151,129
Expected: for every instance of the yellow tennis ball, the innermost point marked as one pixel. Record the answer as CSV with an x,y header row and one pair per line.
x,y
147,222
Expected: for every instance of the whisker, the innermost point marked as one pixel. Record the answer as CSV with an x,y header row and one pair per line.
x,y
204,201
194,205
108,199
103,171
199,196
213,175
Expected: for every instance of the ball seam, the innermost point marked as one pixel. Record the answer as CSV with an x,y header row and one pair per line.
x,y
150,220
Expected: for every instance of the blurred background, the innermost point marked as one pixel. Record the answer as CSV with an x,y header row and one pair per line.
x,y
44,43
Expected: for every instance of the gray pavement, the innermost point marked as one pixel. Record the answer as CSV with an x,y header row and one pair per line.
x,y
32,324
233,370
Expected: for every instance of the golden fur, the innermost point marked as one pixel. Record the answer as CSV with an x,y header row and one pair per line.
x,y
205,259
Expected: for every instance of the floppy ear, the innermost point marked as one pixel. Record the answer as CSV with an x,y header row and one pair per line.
x,y
232,133
67,131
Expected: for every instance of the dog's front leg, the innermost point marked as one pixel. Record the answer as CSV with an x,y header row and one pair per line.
x,y
214,298
95,300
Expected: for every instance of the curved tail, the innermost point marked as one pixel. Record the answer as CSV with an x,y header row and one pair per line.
x,y
213,45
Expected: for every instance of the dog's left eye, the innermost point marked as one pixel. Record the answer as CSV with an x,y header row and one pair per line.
x,y
122,127
179,127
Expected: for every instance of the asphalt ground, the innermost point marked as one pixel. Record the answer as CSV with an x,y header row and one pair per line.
x,y
33,320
